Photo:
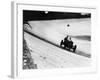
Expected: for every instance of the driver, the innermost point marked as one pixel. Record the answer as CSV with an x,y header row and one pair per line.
x,y
66,38
68,41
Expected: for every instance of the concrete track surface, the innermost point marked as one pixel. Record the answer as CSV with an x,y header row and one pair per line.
x,y
48,56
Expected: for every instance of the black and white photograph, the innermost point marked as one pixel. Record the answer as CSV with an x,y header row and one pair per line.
x,y
56,39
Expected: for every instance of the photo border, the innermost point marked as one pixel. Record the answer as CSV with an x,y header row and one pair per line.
x,y
17,37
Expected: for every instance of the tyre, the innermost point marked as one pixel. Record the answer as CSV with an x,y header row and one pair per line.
x,y
61,43
74,48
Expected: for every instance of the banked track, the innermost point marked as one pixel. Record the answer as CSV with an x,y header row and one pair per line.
x,y
49,55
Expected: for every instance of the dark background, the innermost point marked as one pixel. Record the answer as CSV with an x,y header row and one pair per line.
x,y
29,15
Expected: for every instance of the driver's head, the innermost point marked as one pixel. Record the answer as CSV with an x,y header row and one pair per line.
x,y
67,36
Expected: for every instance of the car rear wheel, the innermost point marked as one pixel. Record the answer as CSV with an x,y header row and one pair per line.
x,y
74,48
